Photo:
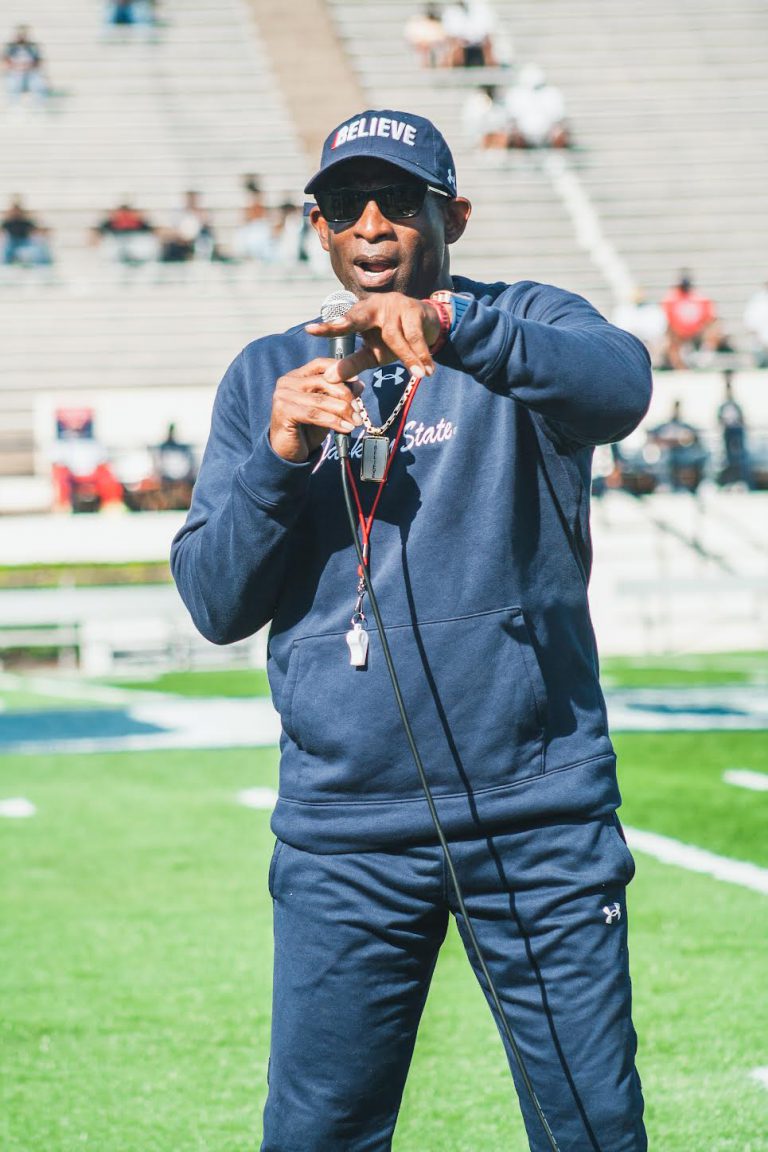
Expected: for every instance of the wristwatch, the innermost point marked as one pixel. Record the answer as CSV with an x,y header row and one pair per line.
x,y
458,302
445,316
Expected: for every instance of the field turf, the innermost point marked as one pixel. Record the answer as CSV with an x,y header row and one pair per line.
x,y
135,961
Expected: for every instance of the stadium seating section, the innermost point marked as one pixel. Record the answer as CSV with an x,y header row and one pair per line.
x,y
668,112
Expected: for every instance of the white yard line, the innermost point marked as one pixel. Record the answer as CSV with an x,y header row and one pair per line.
x,y
17,808
693,859
258,798
744,778
761,1075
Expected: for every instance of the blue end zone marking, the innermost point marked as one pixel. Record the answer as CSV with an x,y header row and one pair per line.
x,y
62,725
686,709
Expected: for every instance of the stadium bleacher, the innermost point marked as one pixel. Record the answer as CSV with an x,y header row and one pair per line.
x,y
668,109
196,107
668,115
199,105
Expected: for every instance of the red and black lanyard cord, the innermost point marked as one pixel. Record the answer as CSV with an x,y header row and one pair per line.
x,y
366,522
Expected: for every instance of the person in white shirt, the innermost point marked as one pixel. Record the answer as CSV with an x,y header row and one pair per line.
x,y
469,27
425,33
484,117
756,323
645,320
537,112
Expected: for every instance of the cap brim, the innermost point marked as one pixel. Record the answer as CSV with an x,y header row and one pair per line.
x,y
413,169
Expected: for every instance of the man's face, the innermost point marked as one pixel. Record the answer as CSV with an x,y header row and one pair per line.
x,y
373,254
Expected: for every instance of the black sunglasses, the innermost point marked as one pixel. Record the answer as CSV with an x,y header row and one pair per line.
x,y
395,201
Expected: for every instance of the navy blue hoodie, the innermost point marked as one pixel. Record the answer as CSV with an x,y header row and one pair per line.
x,y
480,557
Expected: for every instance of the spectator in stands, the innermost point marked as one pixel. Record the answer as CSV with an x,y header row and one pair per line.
x,y
536,111
24,72
425,33
469,26
288,234
756,323
730,417
484,117
682,455
692,325
26,241
311,252
645,320
129,235
174,459
134,13
253,240
191,235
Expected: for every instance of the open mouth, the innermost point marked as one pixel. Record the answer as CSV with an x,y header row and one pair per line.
x,y
375,271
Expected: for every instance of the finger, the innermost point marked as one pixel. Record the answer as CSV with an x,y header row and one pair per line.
x,y
348,368
319,410
316,383
404,335
335,327
413,331
301,400
315,367
359,318
391,345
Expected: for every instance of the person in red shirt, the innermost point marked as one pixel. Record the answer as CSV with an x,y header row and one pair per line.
x,y
692,323
131,237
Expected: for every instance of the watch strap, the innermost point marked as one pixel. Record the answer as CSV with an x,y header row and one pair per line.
x,y
445,316
456,301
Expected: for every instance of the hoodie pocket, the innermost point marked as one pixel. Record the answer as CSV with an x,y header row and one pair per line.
x,y
473,691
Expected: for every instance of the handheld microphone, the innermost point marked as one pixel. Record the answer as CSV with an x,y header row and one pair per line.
x,y
332,308
339,347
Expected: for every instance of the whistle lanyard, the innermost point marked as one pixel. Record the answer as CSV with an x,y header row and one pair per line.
x,y
357,639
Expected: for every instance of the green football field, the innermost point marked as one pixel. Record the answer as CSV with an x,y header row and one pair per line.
x,y
135,955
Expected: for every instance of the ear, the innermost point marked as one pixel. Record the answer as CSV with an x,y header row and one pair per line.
x,y
457,213
320,225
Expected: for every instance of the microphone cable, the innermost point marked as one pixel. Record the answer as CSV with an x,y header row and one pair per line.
x,y
342,447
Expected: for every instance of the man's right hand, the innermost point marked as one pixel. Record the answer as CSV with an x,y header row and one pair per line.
x,y
305,407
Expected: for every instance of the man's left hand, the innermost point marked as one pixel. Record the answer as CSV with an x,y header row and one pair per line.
x,y
393,327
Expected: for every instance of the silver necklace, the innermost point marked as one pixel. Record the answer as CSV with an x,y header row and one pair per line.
x,y
373,465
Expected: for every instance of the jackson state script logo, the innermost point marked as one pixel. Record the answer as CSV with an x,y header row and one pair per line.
x,y
416,434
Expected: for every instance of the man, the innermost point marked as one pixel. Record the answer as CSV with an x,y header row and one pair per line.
x,y
131,235
682,454
645,320
756,323
26,241
692,324
478,547
469,27
23,61
730,417
537,112
191,235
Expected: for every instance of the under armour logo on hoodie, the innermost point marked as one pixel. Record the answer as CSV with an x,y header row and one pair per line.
x,y
612,912
391,375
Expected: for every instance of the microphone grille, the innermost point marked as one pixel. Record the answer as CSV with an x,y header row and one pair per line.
x,y
336,305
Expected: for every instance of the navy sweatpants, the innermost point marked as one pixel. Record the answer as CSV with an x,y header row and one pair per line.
x,y
356,940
